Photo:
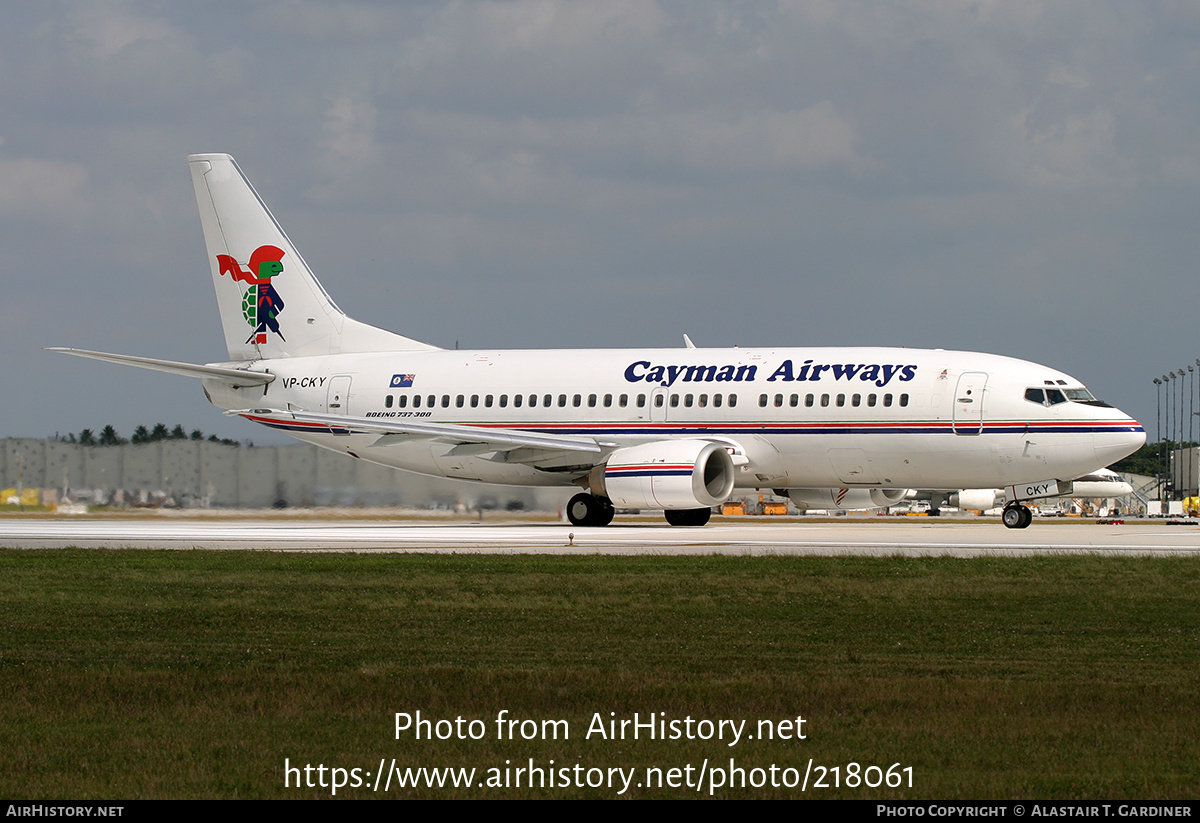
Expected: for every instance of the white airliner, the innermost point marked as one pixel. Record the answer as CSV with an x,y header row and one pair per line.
x,y
671,429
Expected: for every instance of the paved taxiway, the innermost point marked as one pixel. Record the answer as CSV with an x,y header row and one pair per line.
x,y
907,536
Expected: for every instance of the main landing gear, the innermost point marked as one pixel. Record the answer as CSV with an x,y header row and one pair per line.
x,y
1016,516
688,517
589,510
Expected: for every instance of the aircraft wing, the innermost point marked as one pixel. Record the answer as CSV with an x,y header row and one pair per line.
x,y
234,377
501,438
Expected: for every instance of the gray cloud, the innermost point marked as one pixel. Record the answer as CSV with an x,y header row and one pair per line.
x,y
1017,176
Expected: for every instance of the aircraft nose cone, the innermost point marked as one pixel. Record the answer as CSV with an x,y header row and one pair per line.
x,y
1119,443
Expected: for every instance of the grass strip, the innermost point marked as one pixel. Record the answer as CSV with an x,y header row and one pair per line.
x,y
145,674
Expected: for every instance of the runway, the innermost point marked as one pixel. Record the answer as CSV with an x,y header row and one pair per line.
x,y
882,536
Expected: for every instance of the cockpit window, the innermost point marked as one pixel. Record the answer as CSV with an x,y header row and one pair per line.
x,y
1045,397
1051,396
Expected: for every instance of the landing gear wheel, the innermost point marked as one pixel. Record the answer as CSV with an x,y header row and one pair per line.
x,y
589,510
606,512
688,517
1016,517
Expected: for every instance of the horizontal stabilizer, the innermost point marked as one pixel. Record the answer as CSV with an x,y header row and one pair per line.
x,y
500,438
234,377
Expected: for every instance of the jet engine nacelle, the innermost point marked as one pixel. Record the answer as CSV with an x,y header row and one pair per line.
x,y
975,499
848,499
667,474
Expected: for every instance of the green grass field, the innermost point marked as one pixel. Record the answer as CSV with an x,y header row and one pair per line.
x,y
140,674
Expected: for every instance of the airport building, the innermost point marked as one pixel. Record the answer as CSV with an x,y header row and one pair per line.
x,y
220,475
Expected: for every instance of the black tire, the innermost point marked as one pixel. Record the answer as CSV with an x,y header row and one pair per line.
x,y
1026,517
1012,517
688,517
606,512
589,510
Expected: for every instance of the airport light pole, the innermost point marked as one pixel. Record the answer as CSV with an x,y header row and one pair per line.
x,y
1158,394
1191,413
1169,488
1182,491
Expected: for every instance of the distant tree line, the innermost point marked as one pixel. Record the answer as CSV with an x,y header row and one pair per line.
x,y
108,436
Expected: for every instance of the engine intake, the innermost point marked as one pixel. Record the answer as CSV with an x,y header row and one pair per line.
x,y
667,474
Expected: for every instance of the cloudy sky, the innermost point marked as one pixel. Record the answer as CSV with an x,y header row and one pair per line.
x,y
1016,176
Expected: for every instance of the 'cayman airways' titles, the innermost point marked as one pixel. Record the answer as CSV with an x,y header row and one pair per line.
x,y
668,375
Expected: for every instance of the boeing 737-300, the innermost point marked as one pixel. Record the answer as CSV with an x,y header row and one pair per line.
x,y
672,429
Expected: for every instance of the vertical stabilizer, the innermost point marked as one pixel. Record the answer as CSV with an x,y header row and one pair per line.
x,y
271,304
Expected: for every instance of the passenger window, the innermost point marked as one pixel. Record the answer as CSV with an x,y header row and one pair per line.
x,y
504,401
547,400
904,400
403,400
824,400
856,400
809,399
702,400
841,400
577,401
458,401
778,400
687,400
387,401
674,401
887,400
732,400
607,400
474,400
658,400
641,401
623,401
446,401
562,401
487,401
591,401
762,400
794,400
517,398
416,401
870,400
717,400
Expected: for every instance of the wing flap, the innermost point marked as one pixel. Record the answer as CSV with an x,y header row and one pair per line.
x,y
484,436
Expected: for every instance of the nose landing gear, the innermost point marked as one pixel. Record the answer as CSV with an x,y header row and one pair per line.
x,y
1016,516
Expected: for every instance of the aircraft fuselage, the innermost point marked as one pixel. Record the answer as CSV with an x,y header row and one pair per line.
x,y
819,417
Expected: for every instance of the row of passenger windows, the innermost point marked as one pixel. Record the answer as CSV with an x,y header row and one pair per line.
x,y
417,401
548,400
837,400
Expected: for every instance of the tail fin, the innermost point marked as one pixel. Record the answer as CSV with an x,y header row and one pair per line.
x,y
271,304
